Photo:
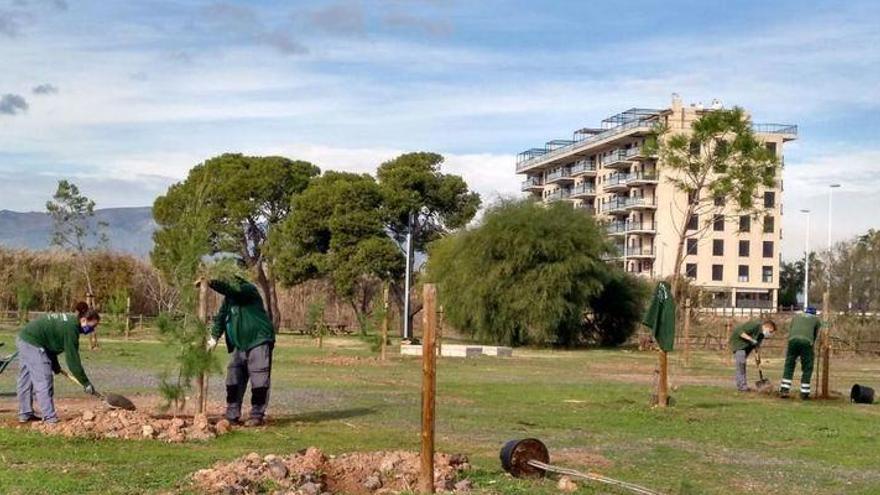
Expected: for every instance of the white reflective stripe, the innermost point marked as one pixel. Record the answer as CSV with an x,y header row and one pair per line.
x,y
786,386
786,381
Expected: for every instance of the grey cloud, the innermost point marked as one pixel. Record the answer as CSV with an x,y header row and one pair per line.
x,y
244,22
11,104
45,89
340,18
431,27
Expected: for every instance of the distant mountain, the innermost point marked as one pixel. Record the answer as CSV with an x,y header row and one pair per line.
x,y
129,230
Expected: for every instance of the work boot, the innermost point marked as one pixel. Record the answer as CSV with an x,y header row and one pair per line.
x,y
783,394
254,422
29,419
805,396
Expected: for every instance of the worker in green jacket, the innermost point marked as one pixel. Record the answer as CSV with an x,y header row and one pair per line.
x,y
250,339
39,344
745,339
802,336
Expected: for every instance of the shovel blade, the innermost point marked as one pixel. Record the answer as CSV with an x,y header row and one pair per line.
x,y
119,402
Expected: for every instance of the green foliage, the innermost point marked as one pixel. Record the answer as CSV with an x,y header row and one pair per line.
x,y
240,199
336,231
315,325
413,183
186,336
74,225
24,299
116,306
526,274
616,311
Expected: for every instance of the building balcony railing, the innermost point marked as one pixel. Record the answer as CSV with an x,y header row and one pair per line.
x,y
532,157
615,181
616,205
788,129
558,194
582,167
560,174
583,189
615,158
531,184
616,228
640,178
639,202
642,227
640,252
587,208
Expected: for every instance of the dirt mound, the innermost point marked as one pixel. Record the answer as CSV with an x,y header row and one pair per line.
x,y
310,472
131,425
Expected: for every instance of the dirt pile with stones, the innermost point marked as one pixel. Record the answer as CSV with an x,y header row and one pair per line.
x,y
132,425
311,472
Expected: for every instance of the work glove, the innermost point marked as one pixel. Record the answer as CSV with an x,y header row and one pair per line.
x,y
212,343
90,389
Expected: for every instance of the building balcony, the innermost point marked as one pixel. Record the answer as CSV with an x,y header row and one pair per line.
x,y
616,182
642,179
788,132
616,228
558,195
616,206
646,252
532,184
586,208
639,154
583,167
616,159
643,227
583,190
635,203
560,175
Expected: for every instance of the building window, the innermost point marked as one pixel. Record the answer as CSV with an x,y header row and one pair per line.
x,y
691,246
717,272
768,224
745,223
767,274
744,248
690,270
693,222
769,199
717,247
771,147
719,200
718,223
743,273
767,249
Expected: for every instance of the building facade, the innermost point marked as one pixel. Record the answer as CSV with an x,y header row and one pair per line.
x,y
605,172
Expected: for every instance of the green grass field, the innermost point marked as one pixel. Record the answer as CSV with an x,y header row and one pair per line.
x,y
589,407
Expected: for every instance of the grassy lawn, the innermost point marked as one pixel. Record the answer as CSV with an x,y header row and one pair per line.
x,y
589,407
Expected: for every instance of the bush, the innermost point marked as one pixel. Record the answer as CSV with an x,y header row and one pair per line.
x,y
616,311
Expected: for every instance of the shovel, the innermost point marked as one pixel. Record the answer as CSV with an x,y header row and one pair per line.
x,y
114,401
763,382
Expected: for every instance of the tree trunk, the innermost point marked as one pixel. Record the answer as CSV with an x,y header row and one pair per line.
x,y
268,298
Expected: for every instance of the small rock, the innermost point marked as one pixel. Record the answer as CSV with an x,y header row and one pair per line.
x,y
310,489
372,483
88,425
222,427
278,470
253,458
566,485
177,423
464,486
270,458
148,431
200,422
88,415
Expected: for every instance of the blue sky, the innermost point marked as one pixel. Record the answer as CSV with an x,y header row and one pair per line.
x,y
124,97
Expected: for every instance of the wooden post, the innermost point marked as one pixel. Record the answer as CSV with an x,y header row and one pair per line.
x,y
202,380
687,332
663,382
385,317
93,337
440,333
728,329
127,317
429,377
825,343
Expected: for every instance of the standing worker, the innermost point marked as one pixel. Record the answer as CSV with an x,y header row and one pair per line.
x,y
745,339
250,339
801,338
39,344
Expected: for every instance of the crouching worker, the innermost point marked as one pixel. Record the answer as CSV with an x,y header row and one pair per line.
x,y
39,344
745,339
250,339
801,337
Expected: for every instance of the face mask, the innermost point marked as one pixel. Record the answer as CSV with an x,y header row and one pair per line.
x,y
86,329
767,333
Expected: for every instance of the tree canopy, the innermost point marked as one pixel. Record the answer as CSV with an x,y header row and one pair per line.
x,y
526,274
241,198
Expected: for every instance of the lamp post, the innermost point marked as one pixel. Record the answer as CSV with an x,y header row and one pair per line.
x,y
807,261
831,189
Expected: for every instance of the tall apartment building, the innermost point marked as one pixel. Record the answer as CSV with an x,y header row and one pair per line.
x,y
605,172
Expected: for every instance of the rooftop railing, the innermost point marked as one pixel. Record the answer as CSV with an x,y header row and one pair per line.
x,y
775,129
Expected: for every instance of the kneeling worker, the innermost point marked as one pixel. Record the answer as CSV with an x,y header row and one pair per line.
x,y
39,344
250,339
746,338
801,337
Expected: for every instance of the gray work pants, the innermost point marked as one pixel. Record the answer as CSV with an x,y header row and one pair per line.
x,y
742,380
35,378
255,366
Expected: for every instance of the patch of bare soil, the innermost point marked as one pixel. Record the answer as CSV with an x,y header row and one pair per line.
x,y
132,425
334,360
581,458
311,472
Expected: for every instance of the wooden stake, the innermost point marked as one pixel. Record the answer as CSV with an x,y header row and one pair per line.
x,y
93,337
127,317
663,383
202,380
429,377
825,345
440,333
385,317
687,332
728,328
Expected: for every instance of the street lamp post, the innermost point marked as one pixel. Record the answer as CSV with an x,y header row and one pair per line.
x,y
831,189
807,262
